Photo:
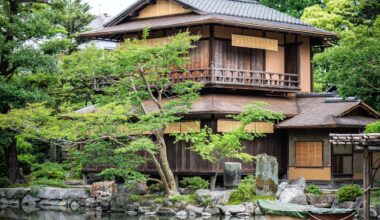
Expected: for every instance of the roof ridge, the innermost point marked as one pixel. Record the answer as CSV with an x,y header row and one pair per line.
x,y
246,1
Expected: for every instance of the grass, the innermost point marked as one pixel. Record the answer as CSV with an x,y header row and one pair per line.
x,y
190,198
236,199
375,198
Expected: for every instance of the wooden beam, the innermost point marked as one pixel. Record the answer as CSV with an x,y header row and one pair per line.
x,y
366,183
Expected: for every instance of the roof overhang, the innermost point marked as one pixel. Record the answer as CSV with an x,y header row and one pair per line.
x,y
188,20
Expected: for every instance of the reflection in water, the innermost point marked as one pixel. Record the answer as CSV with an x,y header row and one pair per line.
x,y
59,213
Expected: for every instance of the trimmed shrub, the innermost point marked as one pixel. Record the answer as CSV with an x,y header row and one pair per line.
x,y
4,182
349,192
48,174
195,183
247,188
313,189
49,182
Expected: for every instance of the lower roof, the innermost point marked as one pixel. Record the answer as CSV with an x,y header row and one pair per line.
x,y
194,19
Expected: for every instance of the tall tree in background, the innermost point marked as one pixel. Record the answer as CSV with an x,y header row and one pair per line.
x,y
353,65
31,34
292,7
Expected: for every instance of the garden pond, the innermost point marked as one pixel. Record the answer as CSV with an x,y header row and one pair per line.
x,y
32,213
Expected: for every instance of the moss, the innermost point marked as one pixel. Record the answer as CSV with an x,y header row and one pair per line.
x,y
260,183
190,198
236,199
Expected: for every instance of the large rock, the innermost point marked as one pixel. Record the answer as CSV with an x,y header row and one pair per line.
x,y
232,174
47,202
281,188
266,175
212,210
217,197
347,205
14,193
166,211
109,187
232,209
293,195
136,188
119,201
194,209
299,183
29,200
58,193
322,201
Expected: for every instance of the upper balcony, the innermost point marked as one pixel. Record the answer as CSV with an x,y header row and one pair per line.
x,y
240,79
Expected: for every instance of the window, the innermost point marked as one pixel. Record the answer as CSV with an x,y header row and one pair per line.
x,y
342,157
309,154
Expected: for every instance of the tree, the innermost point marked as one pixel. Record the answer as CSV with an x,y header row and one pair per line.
x,y
29,41
215,147
353,65
373,127
139,76
292,7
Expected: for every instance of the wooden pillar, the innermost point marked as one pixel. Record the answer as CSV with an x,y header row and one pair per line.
x,y
366,183
53,153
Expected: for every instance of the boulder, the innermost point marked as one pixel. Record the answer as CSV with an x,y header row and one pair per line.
x,y
372,213
144,209
266,175
232,209
109,187
90,202
181,214
232,174
281,188
257,211
119,201
14,193
299,183
293,195
74,205
206,215
59,193
347,205
243,214
212,210
133,207
217,197
250,208
137,188
47,202
166,211
194,209
180,205
321,201
132,213
29,200
9,202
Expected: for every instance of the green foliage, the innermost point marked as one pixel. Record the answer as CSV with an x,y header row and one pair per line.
x,y
48,170
373,127
292,7
49,182
246,188
353,63
189,199
236,199
134,198
157,187
313,189
194,183
349,192
4,182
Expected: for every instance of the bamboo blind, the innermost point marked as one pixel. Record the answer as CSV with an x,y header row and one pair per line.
x,y
254,42
309,154
225,125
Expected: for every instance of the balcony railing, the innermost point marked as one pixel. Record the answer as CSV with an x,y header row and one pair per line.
x,y
229,77
233,77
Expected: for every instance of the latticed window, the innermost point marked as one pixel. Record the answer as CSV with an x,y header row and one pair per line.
x,y
309,154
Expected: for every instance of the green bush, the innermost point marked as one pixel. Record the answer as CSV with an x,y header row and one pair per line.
x,y
48,171
195,183
49,182
349,192
247,188
313,189
157,187
4,182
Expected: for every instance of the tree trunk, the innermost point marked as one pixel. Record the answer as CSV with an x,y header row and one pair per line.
x,y
173,190
213,180
11,163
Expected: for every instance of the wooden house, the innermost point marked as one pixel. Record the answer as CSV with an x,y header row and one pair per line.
x,y
248,53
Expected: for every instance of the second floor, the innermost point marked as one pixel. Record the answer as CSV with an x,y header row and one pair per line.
x,y
254,48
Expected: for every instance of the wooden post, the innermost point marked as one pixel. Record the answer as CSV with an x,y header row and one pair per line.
x,y
366,183
53,153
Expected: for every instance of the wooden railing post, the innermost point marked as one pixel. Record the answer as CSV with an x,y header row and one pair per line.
x,y
212,72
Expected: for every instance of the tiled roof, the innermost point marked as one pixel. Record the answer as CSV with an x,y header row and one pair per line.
x,y
317,112
249,12
242,8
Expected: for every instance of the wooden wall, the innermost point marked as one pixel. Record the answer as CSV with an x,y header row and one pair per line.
x,y
185,162
227,56
162,8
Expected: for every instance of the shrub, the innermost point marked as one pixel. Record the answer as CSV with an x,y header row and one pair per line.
x,y
313,189
349,192
4,182
48,171
157,187
49,182
195,183
247,188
